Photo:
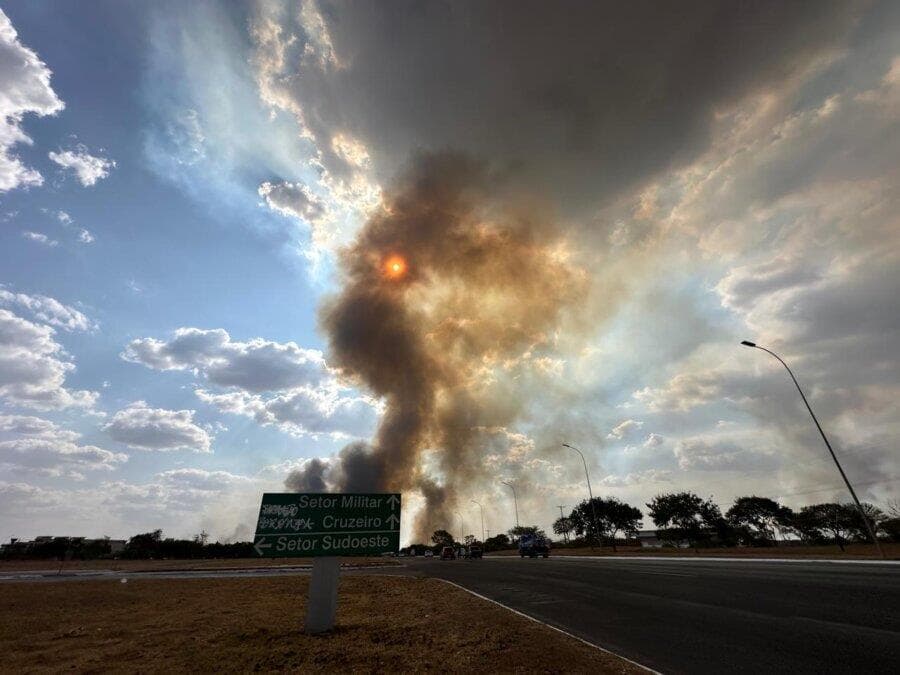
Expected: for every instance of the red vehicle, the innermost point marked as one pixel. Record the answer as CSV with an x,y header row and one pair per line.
x,y
447,553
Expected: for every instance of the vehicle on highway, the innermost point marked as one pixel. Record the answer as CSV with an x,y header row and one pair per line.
x,y
429,553
533,545
447,553
475,552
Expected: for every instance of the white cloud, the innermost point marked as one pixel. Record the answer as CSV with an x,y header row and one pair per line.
x,y
641,478
36,445
145,428
292,199
256,365
653,441
40,238
64,218
302,411
85,236
25,89
33,367
717,453
87,167
48,310
624,429
200,479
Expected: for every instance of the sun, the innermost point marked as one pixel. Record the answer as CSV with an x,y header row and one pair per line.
x,y
395,267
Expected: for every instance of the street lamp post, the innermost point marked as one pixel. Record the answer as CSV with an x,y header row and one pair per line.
x,y
462,533
859,507
515,500
590,492
482,519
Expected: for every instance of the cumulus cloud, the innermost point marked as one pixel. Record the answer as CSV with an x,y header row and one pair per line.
x,y
276,384
255,365
292,199
48,310
40,238
302,411
624,429
26,89
646,478
35,445
87,168
200,479
33,367
706,453
142,427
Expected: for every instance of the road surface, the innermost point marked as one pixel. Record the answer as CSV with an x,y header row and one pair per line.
x,y
672,615
691,616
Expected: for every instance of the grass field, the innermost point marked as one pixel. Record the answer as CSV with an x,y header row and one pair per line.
x,y
239,625
891,550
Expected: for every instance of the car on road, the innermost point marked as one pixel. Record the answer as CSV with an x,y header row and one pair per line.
x,y
429,553
533,545
447,553
475,552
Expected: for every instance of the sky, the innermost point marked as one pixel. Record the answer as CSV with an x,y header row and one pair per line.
x,y
592,204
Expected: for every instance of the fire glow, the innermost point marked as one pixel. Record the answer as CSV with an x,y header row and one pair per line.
x,y
395,267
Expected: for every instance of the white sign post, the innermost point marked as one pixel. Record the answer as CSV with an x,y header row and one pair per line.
x,y
323,594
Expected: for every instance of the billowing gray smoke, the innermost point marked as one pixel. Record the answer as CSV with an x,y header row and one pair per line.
x,y
449,290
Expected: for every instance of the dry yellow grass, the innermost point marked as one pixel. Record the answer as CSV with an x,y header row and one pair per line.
x,y
239,625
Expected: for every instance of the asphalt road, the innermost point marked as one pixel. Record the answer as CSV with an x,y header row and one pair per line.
x,y
691,616
672,615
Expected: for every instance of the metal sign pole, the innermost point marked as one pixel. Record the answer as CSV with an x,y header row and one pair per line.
x,y
323,594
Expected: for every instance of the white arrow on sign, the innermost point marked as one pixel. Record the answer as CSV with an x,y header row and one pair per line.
x,y
393,520
393,501
259,546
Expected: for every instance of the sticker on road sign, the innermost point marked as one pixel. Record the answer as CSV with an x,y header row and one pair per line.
x,y
319,524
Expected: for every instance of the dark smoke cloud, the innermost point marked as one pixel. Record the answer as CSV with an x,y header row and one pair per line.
x,y
488,283
584,98
310,478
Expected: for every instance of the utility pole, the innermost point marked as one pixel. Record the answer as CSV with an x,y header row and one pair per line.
x,y
859,507
561,517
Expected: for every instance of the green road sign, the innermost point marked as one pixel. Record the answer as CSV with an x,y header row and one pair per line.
x,y
320,524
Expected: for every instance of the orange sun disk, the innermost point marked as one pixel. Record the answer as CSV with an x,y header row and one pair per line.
x,y
395,267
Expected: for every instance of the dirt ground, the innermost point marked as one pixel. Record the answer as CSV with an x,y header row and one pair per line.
x,y
241,625
891,550
160,565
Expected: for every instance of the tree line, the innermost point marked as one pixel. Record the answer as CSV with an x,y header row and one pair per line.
x,y
144,546
686,519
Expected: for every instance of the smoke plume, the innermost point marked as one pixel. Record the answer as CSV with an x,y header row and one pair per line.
x,y
452,294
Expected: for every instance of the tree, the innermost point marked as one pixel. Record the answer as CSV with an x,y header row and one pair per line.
x,y
144,545
469,539
613,517
840,523
756,519
563,526
685,517
519,530
442,538
496,543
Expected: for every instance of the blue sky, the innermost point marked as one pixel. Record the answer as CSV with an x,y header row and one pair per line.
x,y
220,168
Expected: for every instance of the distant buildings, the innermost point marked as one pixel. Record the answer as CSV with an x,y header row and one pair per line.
x,y
62,548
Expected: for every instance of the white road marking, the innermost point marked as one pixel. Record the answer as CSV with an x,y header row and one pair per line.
x,y
544,623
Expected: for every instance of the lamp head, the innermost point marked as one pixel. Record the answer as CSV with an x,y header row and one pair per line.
x,y
747,343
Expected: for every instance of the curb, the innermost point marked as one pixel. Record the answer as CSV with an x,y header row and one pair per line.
x,y
544,623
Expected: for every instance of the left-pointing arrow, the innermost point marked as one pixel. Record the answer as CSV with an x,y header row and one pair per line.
x,y
259,546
